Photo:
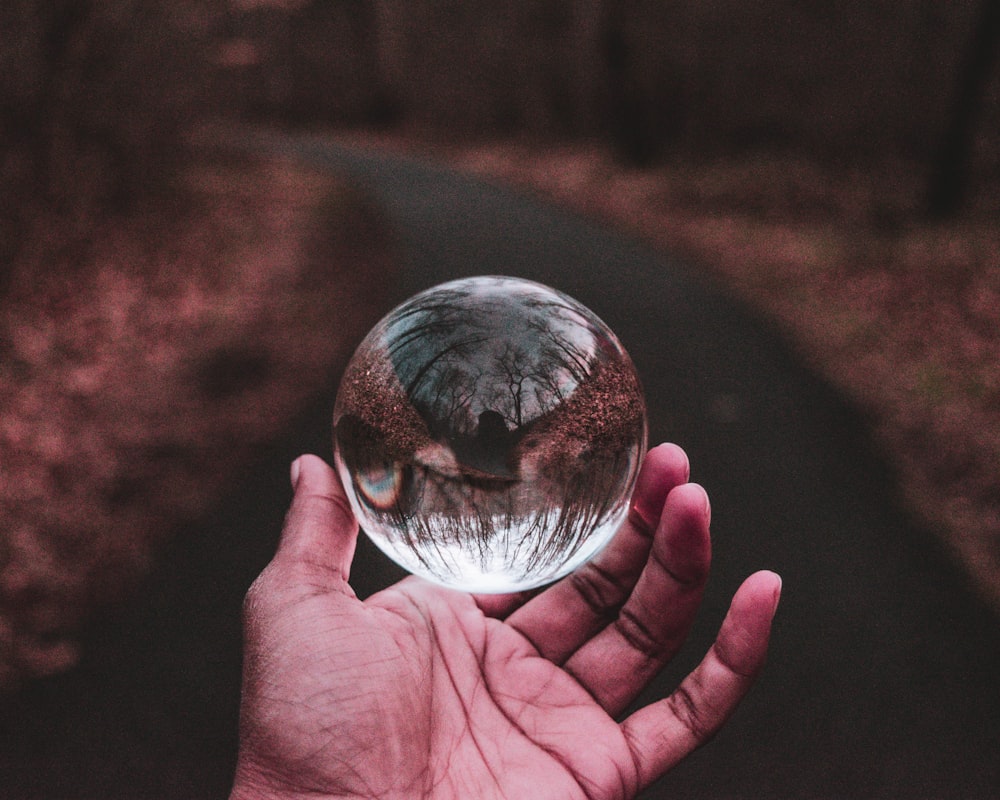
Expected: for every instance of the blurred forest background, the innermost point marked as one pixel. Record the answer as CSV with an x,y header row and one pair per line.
x,y
836,166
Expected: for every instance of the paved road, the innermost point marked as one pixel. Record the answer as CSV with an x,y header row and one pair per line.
x,y
883,678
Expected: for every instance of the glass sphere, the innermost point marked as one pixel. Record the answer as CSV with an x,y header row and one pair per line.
x,y
488,432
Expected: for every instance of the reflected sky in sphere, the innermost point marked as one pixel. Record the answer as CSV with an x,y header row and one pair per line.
x,y
488,432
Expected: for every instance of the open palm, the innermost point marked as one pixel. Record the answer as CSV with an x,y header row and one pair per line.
x,y
423,692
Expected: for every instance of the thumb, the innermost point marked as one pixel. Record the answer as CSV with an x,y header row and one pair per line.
x,y
320,530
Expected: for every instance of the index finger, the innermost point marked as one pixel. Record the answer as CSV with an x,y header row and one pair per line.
x,y
618,661
567,614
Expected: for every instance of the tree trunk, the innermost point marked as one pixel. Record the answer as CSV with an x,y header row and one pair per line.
x,y
949,182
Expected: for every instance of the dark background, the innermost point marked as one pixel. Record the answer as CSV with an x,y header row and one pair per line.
x,y
96,95
881,682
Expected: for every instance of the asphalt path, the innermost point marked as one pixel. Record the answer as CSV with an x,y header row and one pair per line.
x,y
883,675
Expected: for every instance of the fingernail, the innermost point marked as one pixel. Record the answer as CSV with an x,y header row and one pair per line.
x,y
707,502
296,470
777,593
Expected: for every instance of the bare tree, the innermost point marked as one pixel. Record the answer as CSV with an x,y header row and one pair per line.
x,y
97,96
514,365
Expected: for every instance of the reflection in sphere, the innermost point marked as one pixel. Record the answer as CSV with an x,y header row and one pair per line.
x,y
489,432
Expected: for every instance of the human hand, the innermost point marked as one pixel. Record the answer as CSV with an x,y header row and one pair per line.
x,y
424,692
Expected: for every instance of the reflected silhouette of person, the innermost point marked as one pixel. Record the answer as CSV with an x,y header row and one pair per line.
x,y
492,430
490,451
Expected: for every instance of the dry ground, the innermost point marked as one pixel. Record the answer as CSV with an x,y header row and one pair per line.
x,y
145,359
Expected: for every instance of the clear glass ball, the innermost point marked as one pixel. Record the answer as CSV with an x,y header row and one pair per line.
x,y
488,432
